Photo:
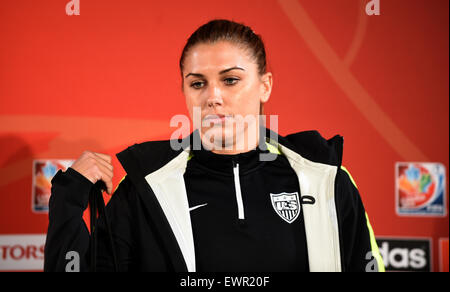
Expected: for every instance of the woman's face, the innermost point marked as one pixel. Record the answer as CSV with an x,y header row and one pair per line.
x,y
222,85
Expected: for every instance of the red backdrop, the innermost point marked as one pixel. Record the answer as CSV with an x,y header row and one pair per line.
x,y
108,78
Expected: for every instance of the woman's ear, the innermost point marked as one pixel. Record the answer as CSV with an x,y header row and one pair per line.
x,y
266,87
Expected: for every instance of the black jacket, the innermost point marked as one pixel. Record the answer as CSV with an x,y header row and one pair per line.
x,y
144,237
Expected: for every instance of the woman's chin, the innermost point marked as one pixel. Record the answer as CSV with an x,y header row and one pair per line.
x,y
218,137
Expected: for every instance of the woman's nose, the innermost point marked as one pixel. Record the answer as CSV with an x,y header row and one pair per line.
x,y
214,97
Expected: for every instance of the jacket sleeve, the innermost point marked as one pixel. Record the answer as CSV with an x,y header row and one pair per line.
x,y
123,225
67,233
359,250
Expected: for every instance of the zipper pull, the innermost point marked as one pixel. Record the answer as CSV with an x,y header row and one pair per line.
x,y
237,187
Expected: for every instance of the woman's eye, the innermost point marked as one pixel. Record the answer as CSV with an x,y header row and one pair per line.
x,y
197,84
231,81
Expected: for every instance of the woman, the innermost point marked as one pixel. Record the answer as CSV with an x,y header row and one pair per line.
x,y
218,207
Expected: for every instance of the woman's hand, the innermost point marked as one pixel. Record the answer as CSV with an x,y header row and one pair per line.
x,y
95,166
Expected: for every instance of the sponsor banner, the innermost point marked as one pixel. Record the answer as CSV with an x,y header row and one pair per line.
x,y
22,252
420,189
43,172
406,254
443,254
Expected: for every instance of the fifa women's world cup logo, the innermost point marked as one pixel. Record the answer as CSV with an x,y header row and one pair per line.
x,y
420,189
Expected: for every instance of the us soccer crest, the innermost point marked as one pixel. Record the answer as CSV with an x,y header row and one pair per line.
x,y
286,205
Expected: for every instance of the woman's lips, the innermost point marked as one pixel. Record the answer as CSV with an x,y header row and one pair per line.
x,y
216,119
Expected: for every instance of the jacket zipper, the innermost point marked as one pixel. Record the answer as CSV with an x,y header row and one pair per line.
x,y
237,187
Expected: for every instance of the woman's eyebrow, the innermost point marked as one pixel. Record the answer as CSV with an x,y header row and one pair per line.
x,y
220,73
194,74
229,69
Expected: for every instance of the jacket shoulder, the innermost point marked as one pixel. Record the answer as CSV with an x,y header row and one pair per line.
x,y
311,145
144,158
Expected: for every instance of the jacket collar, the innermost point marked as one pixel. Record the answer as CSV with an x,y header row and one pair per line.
x,y
144,158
